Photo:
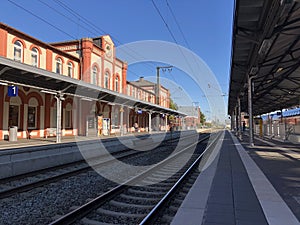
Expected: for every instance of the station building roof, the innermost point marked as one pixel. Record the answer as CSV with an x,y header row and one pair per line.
x,y
16,73
265,45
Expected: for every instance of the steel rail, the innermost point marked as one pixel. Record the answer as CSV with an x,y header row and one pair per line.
x,y
155,211
29,186
85,209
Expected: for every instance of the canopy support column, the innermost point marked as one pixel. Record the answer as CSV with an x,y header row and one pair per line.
x,y
166,122
239,119
121,120
232,121
149,125
59,99
251,141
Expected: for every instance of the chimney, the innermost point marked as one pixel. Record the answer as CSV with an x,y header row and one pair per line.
x,y
141,79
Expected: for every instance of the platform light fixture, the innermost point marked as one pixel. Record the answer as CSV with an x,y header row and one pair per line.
x,y
86,99
49,92
4,84
279,69
265,46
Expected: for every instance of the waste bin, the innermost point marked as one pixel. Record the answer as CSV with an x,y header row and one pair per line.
x,y
13,133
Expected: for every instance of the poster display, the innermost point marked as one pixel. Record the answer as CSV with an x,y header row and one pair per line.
x,y
100,125
106,126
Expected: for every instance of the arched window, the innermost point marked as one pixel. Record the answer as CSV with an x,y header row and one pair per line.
x,y
34,57
70,69
18,51
58,66
94,75
106,80
117,84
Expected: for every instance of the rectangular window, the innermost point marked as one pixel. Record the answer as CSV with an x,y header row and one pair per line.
x,y
31,117
13,115
68,119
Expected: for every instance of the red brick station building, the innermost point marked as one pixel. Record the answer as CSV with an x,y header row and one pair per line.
x,y
72,88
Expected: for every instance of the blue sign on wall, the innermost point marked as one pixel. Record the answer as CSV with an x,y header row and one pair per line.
x,y
12,91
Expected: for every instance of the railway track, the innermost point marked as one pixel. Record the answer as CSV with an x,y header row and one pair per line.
x,y
26,182
140,199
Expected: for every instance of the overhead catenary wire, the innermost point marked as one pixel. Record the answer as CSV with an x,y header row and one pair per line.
x,y
173,37
97,28
76,15
179,28
177,23
68,18
61,30
40,18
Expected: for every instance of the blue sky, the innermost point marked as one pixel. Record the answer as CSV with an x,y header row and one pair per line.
x,y
206,25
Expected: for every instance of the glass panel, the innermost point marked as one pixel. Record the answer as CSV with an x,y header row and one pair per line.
x,y
31,117
13,115
18,51
70,69
58,66
68,119
34,57
117,84
94,75
106,80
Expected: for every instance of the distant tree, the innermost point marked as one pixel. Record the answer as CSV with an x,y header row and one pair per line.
x,y
173,105
202,118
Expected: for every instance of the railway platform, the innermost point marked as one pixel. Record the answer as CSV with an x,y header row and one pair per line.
x,y
246,185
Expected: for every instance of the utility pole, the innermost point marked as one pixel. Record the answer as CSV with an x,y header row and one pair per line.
x,y
157,80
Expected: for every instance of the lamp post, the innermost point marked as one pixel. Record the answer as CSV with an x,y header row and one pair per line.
x,y
157,80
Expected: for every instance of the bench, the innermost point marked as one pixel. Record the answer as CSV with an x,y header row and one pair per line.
x,y
50,132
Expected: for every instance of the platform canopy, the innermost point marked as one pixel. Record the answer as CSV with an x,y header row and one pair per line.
x,y
15,73
265,45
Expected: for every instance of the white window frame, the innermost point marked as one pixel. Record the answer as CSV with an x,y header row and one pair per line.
x,y
117,84
35,117
106,80
34,57
58,66
94,75
18,47
70,69
19,114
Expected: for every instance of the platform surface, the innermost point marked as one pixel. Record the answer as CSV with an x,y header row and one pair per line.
x,y
246,185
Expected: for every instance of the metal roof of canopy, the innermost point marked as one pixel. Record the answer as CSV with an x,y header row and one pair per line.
x,y
16,73
265,44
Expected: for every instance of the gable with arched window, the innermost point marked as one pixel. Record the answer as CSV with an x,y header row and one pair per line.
x,y
18,51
